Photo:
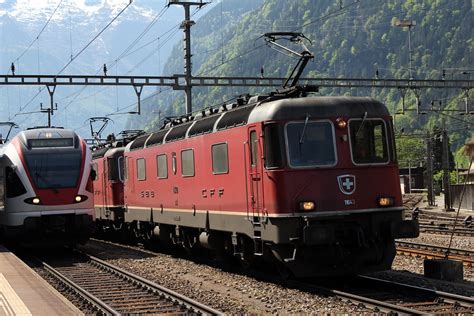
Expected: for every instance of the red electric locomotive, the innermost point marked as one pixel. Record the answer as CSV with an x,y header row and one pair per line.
x,y
311,182
107,163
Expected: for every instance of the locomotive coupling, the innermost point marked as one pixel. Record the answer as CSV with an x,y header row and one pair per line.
x,y
405,229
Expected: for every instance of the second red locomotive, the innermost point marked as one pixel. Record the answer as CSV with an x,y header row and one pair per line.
x,y
310,183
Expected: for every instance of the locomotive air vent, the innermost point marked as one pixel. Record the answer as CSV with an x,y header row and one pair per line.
x,y
139,142
236,117
203,126
157,138
178,132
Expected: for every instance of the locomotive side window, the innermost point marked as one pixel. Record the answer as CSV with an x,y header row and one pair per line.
x,y
220,160
273,146
120,168
310,144
162,166
95,175
13,185
368,141
113,169
125,169
187,163
141,169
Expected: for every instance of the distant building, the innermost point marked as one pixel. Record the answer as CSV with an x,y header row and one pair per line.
x,y
412,179
456,189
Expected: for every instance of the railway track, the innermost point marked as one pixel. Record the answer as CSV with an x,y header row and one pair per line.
x,y
109,290
433,252
443,230
394,298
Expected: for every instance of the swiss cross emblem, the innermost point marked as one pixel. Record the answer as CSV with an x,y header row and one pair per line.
x,y
347,183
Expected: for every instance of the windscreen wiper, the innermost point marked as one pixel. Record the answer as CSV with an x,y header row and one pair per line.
x,y
361,124
304,128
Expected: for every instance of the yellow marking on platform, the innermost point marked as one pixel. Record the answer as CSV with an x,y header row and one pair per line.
x,y
10,302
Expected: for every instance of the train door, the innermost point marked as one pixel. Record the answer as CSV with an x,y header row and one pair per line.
x,y
255,194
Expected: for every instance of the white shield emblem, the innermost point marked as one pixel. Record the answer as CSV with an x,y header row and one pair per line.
x,y
347,183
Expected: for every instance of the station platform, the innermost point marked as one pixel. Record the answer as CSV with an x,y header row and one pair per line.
x,y
24,292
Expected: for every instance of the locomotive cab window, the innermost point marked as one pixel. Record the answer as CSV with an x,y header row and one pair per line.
x,y
162,166
220,160
187,163
141,169
369,143
310,144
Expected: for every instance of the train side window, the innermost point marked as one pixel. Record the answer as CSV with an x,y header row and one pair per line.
x,y
94,174
120,168
14,186
141,169
125,169
220,160
187,163
162,166
273,140
112,169
253,148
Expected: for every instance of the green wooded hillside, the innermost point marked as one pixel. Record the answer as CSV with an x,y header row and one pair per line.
x,y
349,38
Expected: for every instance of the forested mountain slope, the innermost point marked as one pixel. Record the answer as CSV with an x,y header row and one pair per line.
x,y
349,39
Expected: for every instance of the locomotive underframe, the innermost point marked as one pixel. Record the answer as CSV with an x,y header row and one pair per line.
x,y
311,245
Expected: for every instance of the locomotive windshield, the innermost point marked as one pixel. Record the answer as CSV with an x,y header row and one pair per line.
x,y
368,141
54,170
310,144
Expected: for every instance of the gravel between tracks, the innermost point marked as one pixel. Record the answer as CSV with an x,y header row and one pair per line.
x,y
233,293
228,292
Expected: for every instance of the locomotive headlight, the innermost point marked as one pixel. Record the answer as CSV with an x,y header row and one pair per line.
x,y
80,198
33,200
307,206
385,201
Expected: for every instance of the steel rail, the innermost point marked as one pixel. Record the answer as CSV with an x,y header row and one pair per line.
x,y
98,304
408,307
375,305
432,251
104,306
181,299
454,299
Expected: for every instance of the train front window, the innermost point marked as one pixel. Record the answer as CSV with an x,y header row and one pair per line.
x,y
54,170
369,143
310,144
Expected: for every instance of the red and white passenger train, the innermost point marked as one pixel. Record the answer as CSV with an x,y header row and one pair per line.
x,y
308,182
46,190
